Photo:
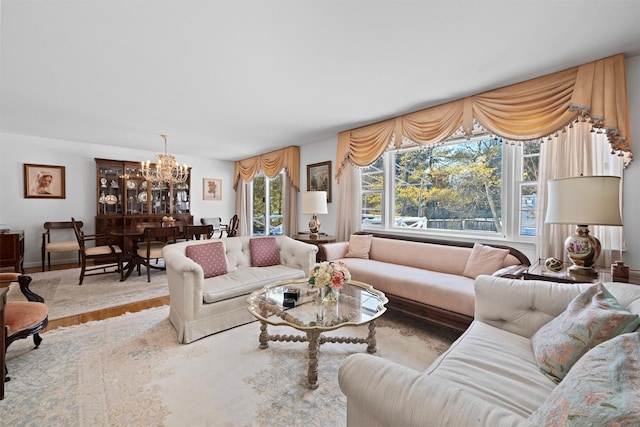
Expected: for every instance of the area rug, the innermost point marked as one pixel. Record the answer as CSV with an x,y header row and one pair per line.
x,y
130,371
65,297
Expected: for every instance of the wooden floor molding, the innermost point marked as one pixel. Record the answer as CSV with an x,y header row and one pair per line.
x,y
107,313
98,314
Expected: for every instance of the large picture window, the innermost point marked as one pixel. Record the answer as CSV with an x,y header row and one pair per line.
x,y
458,187
450,187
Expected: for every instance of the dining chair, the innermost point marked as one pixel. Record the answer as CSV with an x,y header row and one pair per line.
x,y
216,223
150,248
98,254
58,246
232,228
197,232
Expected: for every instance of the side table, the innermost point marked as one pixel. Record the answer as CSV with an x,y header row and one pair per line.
x,y
315,240
12,250
538,271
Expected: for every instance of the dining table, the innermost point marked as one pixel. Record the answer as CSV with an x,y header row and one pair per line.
x,y
131,235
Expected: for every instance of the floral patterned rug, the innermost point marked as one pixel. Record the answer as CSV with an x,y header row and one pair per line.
x,y
130,371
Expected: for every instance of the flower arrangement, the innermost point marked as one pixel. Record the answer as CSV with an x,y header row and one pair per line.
x,y
331,273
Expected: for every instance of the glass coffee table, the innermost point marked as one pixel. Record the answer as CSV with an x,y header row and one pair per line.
x,y
275,304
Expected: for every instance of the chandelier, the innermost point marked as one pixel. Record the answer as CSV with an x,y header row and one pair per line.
x,y
166,168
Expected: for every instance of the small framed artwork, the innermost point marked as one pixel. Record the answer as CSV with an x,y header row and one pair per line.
x,y
211,189
44,182
319,178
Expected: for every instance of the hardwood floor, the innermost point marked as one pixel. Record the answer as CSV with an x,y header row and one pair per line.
x,y
98,314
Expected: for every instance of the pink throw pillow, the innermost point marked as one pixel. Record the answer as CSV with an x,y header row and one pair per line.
x,y
264,252
210,256
359,246
484,260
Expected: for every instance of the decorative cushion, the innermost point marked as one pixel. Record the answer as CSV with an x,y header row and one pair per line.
x,y
23,315
264,252
359,246
210,256
602,388
484,260
591,318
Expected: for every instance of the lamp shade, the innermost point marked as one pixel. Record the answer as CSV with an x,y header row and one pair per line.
x,y
587,200
314,202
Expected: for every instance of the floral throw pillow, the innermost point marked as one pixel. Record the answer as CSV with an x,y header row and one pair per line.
x,y
210,256
264,252
602,388
591,318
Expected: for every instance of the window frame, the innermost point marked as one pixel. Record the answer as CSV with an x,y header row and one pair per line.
x,y
267,208
512,165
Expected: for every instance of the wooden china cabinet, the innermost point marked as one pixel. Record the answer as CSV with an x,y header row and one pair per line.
x,y
124,197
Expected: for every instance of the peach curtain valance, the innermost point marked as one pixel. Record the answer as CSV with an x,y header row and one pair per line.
x,y
271,164
596,92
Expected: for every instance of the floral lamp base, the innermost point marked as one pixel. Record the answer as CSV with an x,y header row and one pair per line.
x,y
583,250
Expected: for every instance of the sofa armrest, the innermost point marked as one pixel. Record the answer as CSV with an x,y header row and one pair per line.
x,y
297,254
512,271
521,306
383,393
333,251
185,278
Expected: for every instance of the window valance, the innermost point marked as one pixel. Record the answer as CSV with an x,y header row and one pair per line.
x,y
594,92
271,164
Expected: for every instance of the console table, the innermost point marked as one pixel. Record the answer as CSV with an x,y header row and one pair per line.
x,y
12,250
538,271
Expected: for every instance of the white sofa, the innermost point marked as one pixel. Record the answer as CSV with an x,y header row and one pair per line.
x,y
425,278
488,377
201,307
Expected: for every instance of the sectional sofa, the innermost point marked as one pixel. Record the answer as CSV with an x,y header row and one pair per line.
x,y
428,278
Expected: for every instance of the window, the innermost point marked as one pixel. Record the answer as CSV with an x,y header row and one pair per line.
x,y
529,187
372,193
458,187
263,213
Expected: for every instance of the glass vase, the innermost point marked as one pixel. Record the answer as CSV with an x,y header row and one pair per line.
x,y
330,295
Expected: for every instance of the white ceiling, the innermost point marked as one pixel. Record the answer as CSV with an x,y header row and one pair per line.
x,y
231,79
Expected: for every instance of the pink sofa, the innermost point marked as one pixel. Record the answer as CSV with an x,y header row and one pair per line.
x,y
424,277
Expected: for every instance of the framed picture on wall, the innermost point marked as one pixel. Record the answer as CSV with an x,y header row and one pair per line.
x,y
319,178
211,189
44,182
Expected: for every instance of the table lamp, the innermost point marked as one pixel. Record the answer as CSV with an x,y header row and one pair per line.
x,y
314,203
583,200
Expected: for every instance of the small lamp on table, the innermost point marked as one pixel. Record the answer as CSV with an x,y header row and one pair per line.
x,y
584,200
314,203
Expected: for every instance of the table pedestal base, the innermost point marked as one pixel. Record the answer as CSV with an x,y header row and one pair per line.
x,y
315,340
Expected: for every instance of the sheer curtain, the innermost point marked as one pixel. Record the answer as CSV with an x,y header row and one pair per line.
x,y
243,193
349,203
578,151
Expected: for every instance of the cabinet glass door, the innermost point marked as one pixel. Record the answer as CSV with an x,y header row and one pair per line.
x,y
136,191
110,189
181,198
160,197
